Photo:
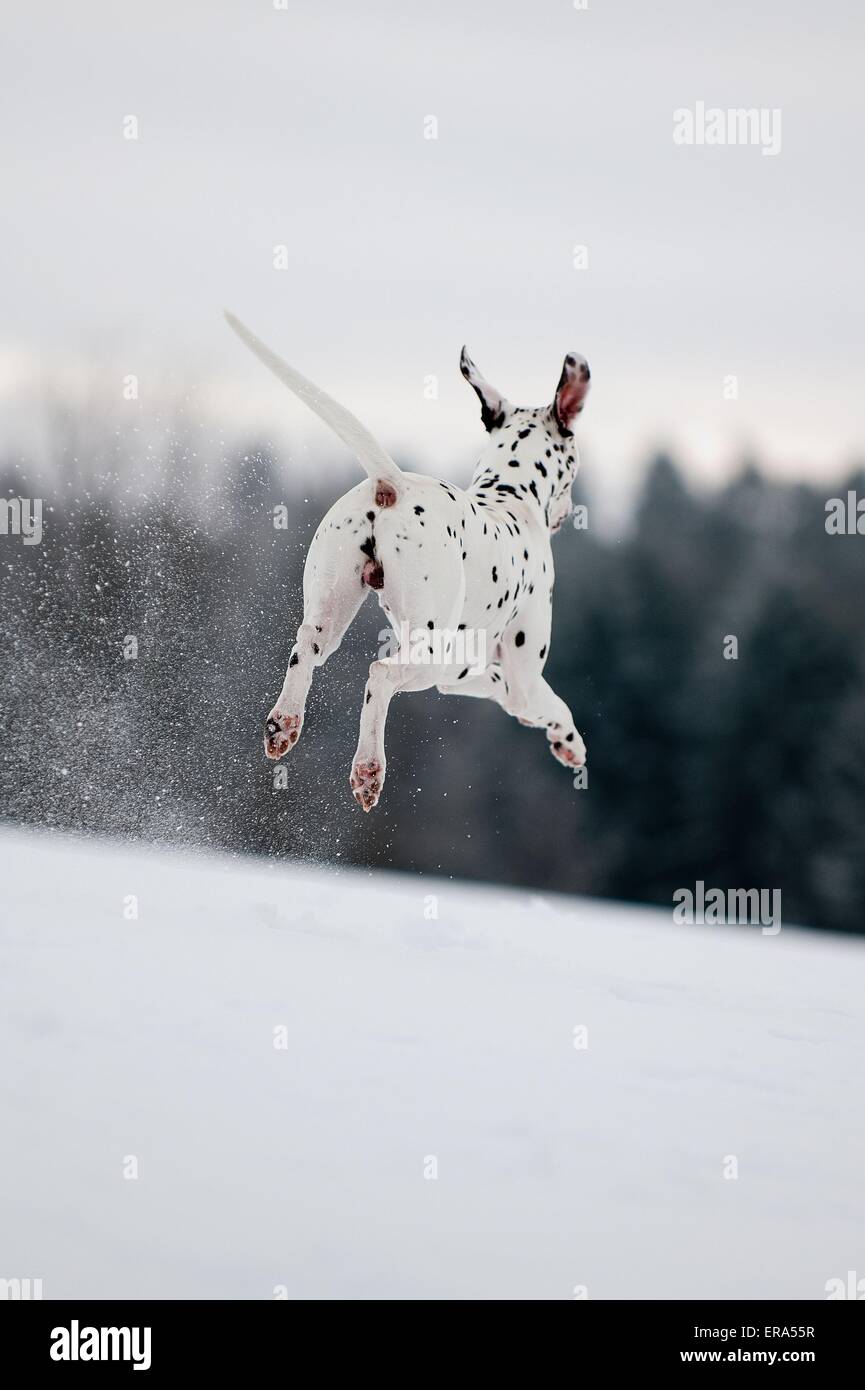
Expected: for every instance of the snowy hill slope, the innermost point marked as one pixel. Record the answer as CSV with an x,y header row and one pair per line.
x,y
410,1043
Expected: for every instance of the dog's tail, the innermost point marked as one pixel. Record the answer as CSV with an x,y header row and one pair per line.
x,y
376,460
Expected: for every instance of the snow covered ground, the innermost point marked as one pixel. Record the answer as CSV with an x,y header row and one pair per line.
x,y
412,1046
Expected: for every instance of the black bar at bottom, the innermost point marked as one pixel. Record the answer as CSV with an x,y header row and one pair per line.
x,y
166,1338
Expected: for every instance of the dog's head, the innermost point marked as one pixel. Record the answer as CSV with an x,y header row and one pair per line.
x,y
539,442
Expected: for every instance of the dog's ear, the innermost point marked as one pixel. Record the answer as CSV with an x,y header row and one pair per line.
x,y
571,391
494,407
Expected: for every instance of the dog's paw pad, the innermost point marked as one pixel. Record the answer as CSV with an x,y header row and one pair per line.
x,y
281,732
569,750
366,783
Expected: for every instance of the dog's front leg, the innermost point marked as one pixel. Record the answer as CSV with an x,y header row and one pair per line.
x,y
488,684
529,697
541,708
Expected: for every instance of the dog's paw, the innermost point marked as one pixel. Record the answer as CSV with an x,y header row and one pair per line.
x,y
367,780
568,749
281,732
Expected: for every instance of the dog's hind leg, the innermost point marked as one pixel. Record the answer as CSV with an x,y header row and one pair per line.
x,y
327,615
423,600
386,679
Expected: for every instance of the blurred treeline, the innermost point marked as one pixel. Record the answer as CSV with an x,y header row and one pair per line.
x,y
742,773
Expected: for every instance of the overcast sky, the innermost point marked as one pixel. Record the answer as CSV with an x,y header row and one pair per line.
x,y
304,127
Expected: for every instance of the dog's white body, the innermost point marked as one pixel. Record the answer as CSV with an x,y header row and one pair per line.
x,y
442,560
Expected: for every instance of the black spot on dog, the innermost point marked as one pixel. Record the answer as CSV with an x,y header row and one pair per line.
x,y
293,659
519,639
463,673
418,510
543,652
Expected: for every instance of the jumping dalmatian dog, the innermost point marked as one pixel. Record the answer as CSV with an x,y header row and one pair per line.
x,y
440,559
